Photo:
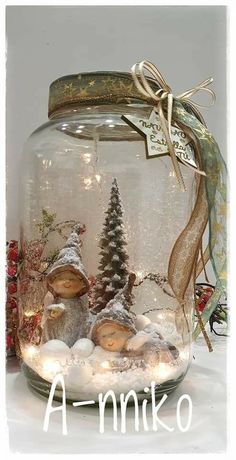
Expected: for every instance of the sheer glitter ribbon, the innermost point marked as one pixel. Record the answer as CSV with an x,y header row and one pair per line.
x,y
211,204
164,93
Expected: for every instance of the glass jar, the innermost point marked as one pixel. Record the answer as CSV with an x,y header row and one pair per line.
x,y
99,226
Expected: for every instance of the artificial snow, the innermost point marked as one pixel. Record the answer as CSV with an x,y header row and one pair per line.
x,y
101,370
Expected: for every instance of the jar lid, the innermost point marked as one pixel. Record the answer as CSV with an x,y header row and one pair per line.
x,y
94,88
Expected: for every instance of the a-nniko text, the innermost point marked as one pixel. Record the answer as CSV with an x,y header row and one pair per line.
x,y
141,421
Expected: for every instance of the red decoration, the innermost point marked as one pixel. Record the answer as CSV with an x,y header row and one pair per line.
x,y
12,271
12,255
11,303
30,330
204,297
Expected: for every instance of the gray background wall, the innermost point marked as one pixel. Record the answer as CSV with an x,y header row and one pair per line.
x,y
188,44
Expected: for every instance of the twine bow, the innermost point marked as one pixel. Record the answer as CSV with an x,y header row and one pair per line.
x,y
165,92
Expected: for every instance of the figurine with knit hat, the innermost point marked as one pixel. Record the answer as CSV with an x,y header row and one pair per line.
x,y
115,330
66,312
114,325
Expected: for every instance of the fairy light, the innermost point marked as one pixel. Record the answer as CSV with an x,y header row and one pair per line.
x,y
98,178
160,316
87,157
139,274
105,365
184,354
30,351
87,182
46,163
163,371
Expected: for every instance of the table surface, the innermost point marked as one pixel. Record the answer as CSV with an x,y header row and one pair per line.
x,y
205,383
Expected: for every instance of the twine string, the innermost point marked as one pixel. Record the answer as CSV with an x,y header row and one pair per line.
x,y
164,92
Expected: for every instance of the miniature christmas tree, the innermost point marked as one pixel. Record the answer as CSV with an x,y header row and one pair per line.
x,y
113,265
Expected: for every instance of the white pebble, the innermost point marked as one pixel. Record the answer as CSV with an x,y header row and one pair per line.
x,y
141,321
79,375
82,348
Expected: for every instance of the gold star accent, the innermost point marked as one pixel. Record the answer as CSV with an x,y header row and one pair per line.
x,y
126,86
223,210
67,88
217,227
213,177
180,111
92,83
83,92
108,81
223,275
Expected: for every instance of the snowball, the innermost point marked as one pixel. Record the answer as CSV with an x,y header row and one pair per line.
x,y
141,322
79,375
55,350
82,348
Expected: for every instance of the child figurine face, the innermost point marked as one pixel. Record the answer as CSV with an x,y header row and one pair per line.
x,y
67,284
112,336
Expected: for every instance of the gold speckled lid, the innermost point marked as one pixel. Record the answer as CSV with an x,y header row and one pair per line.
x,y
94,88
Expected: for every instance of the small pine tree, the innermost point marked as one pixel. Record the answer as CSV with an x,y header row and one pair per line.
x,y
113,265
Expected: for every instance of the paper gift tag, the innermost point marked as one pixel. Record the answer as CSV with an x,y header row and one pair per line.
x,y
156,144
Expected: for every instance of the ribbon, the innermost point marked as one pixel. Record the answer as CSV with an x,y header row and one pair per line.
x,y
165,93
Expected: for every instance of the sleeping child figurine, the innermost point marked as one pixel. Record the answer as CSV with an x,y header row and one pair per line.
x,y
114,330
